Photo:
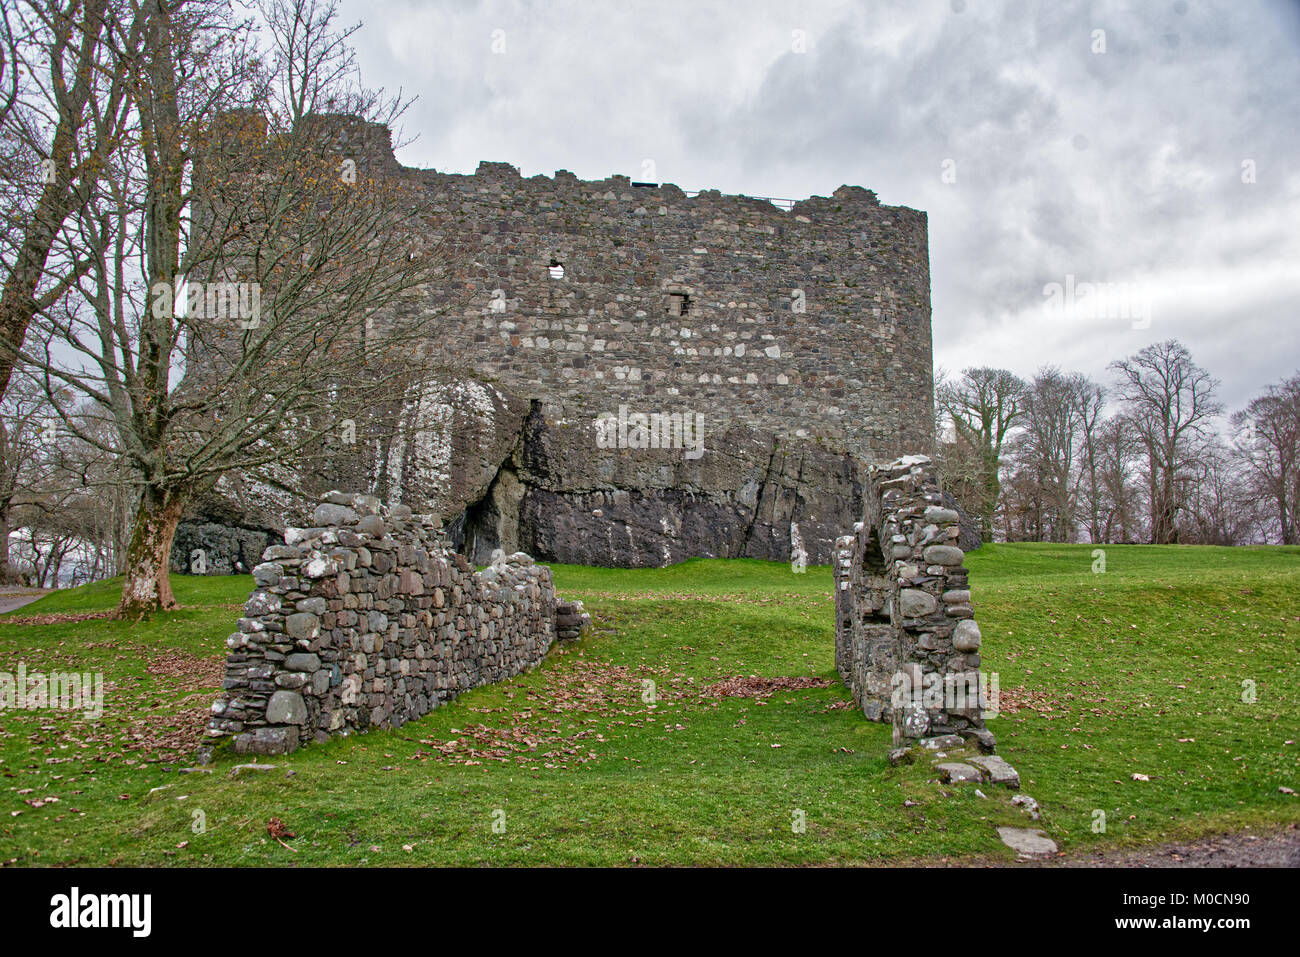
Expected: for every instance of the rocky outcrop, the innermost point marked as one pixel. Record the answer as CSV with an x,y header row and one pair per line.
x,y
507,474
211,548
627,508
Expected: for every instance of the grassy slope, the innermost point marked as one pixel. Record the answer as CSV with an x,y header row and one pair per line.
x,y
1109,672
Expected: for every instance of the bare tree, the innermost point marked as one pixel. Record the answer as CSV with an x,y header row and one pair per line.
x,y
1022,506
1043,452
56,490
62,117
1117,447
983,405
1268,443
316,69
28,451
246,289
1219,509
1091,402
1170,402
960,468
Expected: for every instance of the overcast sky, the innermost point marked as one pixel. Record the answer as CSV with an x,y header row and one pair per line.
x,y
1036,155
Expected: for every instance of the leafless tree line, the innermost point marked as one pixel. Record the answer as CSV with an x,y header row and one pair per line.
x,y
1143,458
64,518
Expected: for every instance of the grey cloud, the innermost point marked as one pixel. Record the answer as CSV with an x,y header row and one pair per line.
x,y
1118,167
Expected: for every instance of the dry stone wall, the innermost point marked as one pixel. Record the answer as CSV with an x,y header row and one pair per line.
x,y
906,641
369,620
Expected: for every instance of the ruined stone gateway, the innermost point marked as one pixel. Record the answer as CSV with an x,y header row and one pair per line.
x,y
369,619
776,352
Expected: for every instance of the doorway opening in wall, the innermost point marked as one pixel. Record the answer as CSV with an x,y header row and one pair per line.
x,y
556,269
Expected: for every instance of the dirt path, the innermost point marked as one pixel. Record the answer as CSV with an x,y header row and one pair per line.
x,y
1278,848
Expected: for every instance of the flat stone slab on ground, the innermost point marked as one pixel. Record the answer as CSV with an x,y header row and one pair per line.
x,y
1030,842
997,770
954,772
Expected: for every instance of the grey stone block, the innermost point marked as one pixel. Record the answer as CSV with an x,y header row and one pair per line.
x,y
957,772
914,603
286,707
996,770
301,661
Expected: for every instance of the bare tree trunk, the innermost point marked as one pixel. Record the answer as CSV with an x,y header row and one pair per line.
x,y
1284,507
992,492
1164,524
59,549
148,586
38,566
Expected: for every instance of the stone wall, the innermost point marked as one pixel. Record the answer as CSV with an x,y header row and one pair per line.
x,y
906,641
368,619
799,337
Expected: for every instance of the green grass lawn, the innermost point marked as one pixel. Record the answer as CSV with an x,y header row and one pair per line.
x,y
1139,670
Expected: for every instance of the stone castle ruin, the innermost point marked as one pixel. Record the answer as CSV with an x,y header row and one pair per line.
x,y
639,375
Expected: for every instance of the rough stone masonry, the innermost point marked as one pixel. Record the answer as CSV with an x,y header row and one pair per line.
x,y
800,337
369,620
906,642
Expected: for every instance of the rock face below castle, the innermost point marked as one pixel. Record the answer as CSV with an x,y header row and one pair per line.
x,y
638,376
